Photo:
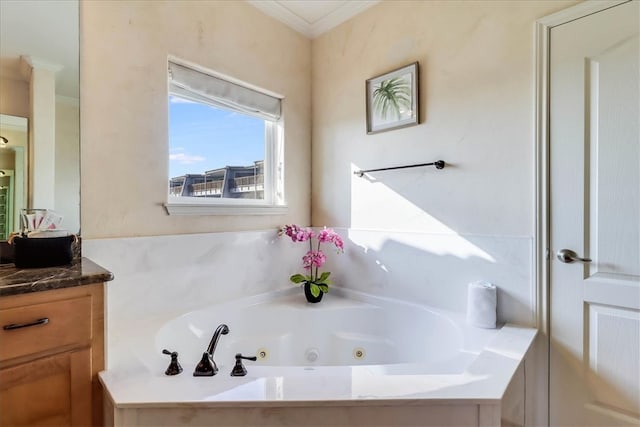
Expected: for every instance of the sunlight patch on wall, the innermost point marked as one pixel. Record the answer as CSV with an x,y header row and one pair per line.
x,y
372,203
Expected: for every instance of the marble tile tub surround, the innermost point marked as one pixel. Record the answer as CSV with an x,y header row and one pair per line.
x,y
435,269
164,276
428,268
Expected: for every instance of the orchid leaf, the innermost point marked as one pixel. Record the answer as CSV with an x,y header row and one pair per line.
x,y
315,290
297,278
324,276
324,288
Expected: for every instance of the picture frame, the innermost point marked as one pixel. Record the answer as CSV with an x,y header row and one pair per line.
x,y
393,99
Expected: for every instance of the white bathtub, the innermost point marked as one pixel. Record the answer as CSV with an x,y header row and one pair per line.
x,y
339,362
339,331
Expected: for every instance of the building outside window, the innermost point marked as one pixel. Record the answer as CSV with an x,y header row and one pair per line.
x,y
225,144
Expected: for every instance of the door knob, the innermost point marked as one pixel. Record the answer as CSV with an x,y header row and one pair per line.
x,y
568,256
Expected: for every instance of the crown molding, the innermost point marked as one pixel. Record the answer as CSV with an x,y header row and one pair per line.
x,y
282,14
342,13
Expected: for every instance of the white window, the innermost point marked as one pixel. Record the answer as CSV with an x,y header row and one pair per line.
x,y
225,146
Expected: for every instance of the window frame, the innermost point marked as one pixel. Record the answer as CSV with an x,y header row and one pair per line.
x,y
273,202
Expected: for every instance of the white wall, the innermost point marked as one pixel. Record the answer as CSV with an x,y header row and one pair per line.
x,y
125,150
476,97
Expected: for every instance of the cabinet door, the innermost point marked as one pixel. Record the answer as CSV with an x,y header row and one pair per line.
x,y
52,391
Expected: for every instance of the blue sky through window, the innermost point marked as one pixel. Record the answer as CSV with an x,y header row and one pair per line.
x,y
202,138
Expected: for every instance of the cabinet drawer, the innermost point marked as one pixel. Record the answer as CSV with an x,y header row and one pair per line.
x,y
69,324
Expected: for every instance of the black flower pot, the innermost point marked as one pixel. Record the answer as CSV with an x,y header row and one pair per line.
x,y
309,295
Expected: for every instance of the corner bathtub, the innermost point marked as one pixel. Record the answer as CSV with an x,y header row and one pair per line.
x,y
352,359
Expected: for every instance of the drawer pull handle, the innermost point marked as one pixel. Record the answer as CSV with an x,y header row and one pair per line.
x,y
42,321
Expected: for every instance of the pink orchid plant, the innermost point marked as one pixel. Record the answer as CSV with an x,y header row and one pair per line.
x,y
314,259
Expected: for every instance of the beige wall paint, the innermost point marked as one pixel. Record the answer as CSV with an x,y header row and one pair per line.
x,y
16,159
124,49
16,138
7,157
14,97
477,84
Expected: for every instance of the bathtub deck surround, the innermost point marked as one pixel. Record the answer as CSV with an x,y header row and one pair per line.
x,y
364,359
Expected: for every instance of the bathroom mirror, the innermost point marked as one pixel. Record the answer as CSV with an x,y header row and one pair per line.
x,y
39,110
13,171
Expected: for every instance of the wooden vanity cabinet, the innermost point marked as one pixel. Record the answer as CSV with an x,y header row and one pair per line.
x,y
48,370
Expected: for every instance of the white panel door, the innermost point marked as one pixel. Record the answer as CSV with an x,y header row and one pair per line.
x,y
595,212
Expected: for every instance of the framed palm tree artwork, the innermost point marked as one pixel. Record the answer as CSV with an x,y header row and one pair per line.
x,y
392,99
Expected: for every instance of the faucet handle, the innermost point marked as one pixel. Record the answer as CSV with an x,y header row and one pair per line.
x,y
239,370
174,367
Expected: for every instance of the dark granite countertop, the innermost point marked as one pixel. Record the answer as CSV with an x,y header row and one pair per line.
x,y
82,271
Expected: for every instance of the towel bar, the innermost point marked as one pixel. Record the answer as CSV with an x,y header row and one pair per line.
x,y
439,164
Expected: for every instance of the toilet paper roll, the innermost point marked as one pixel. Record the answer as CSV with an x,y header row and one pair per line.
x,y
481,304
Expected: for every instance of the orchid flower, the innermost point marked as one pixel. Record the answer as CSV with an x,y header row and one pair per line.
x,y
314,258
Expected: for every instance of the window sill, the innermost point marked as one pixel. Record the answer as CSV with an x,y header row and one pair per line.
x,y
209,209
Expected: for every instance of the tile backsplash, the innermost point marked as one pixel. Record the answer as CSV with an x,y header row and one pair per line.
x,y
169,275
435,269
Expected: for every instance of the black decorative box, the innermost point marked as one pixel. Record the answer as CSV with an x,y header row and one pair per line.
x,y
43,252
